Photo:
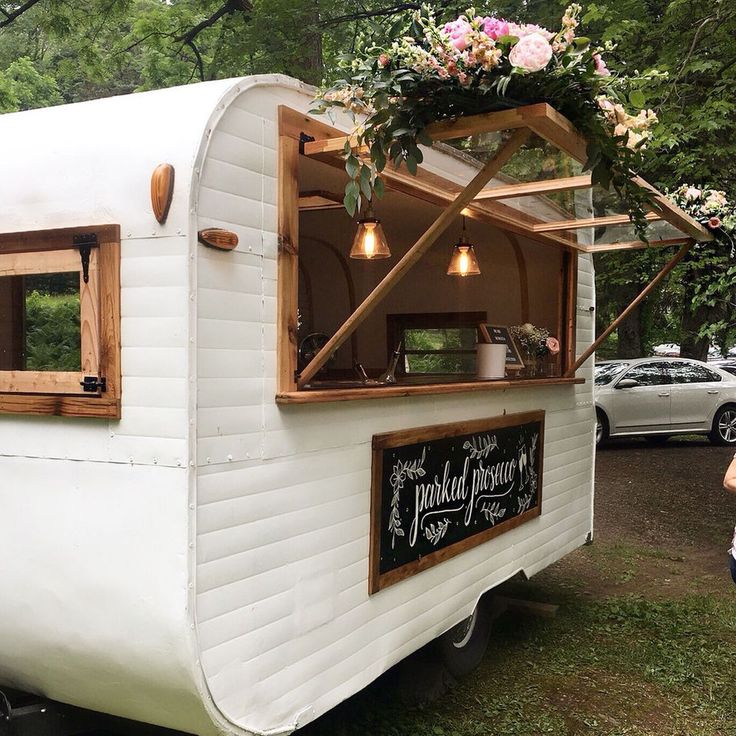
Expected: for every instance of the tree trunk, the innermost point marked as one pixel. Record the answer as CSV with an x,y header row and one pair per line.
x,y
693,346
630,338
312,45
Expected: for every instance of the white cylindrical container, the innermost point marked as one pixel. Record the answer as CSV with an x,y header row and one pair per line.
x,y
491,360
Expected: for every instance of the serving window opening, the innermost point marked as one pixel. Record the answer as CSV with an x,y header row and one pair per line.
x,y
426,330
477,283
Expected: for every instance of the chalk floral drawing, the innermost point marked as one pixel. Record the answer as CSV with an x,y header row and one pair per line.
x,y
493,512
435,532
480,447
524,502
402,470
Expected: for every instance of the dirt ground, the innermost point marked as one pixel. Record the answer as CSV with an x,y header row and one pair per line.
x,y
665,506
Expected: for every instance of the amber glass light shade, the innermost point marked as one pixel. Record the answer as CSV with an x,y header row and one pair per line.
x,y
463,261
370,242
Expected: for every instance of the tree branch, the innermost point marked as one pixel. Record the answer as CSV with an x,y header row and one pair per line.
x,y
200,63
370,14
382,12
231,6
10,17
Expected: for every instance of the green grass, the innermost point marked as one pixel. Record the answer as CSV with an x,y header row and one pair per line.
x,y
611,667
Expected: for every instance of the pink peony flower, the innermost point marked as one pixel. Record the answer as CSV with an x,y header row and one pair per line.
x,y
527,29
600,66
532,53
383,60
692,193
495,28
458,31
553,345
714,223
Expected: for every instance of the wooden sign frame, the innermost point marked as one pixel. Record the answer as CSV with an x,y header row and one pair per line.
x,y
511,344
382,442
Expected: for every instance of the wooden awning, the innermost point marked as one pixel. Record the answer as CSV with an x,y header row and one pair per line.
x,y
487,204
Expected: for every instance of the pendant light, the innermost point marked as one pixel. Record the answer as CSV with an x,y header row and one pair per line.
x,y
370,242
463,261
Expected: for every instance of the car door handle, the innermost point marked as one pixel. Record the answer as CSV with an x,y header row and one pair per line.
x,y
713,392
663,395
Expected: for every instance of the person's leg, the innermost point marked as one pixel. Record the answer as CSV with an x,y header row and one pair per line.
x,y
733,567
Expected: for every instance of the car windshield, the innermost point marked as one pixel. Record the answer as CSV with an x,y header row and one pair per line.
x,y
606,372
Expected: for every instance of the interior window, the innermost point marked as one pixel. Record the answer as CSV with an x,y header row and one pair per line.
x,y
690,373
648,374
434,343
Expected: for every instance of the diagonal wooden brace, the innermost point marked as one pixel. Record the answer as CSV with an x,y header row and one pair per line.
x,y
644,294
419,248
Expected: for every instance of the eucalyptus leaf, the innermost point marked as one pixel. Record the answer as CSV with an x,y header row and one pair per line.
x,y
350,203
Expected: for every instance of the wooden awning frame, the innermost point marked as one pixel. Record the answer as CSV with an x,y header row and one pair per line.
x,y
475,201
553,127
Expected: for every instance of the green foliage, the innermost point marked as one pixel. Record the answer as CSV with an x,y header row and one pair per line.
x,y
52,332
23,87
679,56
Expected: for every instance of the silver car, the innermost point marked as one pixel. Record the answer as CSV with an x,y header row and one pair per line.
x,y
659,397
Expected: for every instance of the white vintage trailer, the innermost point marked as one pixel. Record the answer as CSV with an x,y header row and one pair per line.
x,y
187,548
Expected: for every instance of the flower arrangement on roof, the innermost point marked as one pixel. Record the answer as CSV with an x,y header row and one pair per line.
x,y
711,208
474,64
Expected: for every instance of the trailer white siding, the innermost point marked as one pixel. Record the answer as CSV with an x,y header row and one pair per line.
x,y
285,625
202,563
95,520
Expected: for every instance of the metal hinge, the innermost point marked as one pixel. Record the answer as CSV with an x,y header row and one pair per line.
x,y
93,384
304,138
85,243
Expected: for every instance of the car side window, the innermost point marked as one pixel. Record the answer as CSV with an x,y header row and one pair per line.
x,y
691,373
648,374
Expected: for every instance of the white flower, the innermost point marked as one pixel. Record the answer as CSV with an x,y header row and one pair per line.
x,y
692,193
531,53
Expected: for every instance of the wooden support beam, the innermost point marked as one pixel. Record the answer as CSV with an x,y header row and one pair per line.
x,y
288,262
605,221
643,295
529,189
414,253
635,245
320,200
674,215
333,145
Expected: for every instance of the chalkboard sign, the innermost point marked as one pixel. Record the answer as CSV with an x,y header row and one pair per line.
x,y
500,335
438,491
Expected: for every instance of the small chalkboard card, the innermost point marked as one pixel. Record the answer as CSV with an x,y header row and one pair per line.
x,y
439,491
500,335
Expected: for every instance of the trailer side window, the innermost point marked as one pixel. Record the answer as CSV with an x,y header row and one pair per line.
x,y
59,322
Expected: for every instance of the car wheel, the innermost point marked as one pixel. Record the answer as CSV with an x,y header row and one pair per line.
x,y
601,427
656,439
463,646
723,431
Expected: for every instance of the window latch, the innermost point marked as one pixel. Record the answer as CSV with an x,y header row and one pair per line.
x,y
85,243
93,384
